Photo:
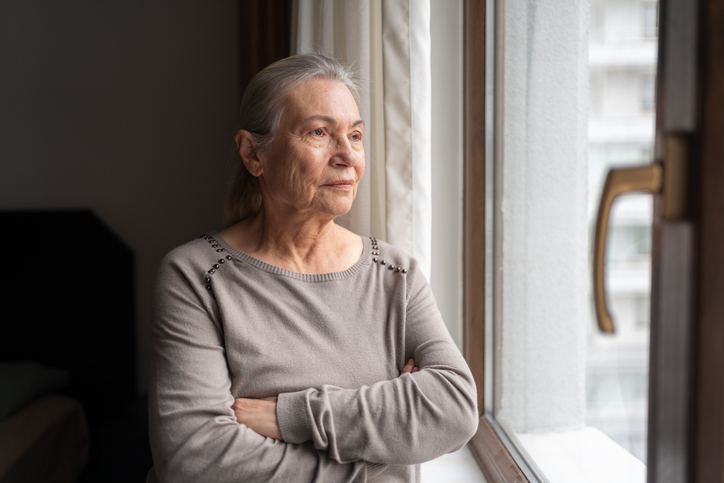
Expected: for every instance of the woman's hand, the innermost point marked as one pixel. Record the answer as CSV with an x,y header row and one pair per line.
x,y
410,367
259,415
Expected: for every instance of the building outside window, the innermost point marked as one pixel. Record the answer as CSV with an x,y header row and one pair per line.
x,y
648,93
573,106
650,18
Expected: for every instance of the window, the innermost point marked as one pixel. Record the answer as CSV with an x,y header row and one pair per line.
x,y
556,393
650,15
648,93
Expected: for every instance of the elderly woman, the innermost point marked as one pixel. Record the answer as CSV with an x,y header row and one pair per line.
x,y
286,348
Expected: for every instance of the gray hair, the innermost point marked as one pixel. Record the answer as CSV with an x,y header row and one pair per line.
x,y
262,107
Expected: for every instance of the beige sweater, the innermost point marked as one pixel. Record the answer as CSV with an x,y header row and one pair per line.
x,y
331,346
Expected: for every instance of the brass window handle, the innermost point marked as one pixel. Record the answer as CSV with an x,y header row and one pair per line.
x,y
669,179
647,179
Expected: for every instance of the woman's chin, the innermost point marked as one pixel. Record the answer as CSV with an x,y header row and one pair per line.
x,y
336,207
340,212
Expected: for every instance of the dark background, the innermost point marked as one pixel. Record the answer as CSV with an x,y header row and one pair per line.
x,y
124,112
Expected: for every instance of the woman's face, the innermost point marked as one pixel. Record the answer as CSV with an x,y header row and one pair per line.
x,y
316,160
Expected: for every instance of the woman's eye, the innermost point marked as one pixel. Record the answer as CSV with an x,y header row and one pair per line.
x,y
356,136
318,132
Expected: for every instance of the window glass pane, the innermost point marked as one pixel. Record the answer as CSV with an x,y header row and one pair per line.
x,y
578,99
650,19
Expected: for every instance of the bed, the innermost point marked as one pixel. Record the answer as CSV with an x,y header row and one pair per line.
x,y
68,327
44,441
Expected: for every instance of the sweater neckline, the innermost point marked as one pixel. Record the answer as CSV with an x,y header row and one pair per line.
x,y
363,261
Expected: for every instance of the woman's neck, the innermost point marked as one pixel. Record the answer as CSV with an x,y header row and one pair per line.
x,y
295,244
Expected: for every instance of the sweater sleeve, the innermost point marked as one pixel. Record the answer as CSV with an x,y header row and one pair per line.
x,y
194,433
410,419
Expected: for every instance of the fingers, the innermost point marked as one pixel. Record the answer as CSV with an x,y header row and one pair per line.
x,y
259,415
410,367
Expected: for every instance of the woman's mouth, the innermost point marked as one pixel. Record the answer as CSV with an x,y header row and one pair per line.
x,y
344,185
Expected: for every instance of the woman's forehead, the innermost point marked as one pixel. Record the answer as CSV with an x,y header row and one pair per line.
x,y
322,98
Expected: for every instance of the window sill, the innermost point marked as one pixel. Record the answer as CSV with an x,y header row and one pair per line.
x,y
582,455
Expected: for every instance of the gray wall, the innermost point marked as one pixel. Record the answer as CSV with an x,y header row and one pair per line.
x,y
128,108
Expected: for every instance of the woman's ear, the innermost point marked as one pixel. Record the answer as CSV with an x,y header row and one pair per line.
x,y
247,147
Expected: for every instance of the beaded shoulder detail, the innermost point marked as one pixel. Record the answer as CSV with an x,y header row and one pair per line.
x,y
377,259
224,258
385,263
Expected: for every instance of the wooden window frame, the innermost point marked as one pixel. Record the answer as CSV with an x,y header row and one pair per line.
x,y
494,459
702,461
708,406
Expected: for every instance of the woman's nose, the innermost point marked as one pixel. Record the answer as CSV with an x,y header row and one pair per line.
x,y
345,154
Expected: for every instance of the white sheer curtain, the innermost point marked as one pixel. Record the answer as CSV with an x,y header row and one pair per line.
x,y
389,44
